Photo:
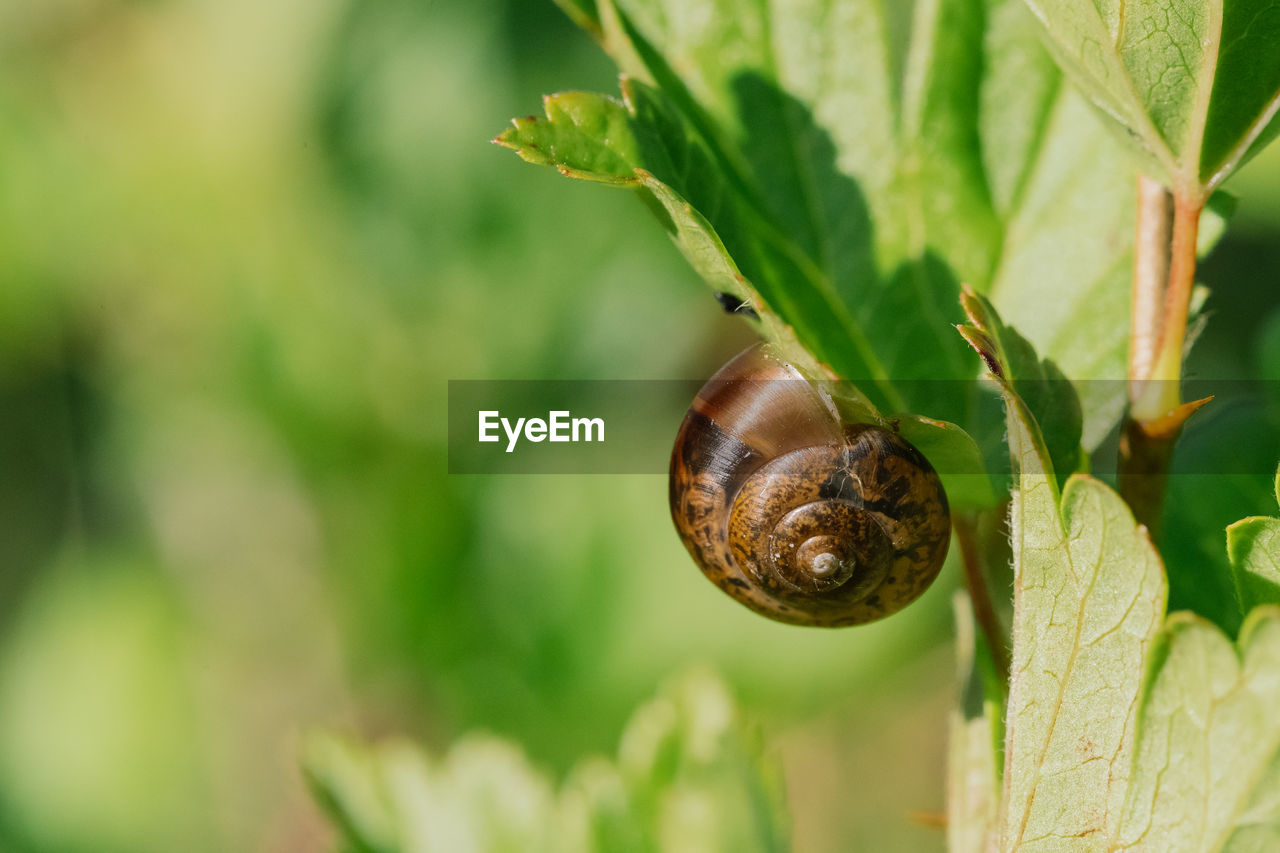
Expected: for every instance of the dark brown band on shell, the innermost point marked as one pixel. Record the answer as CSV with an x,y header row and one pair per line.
x,y
796,516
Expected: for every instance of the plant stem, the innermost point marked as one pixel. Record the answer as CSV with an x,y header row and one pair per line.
x,y
1164,274
975,579
1144,473
1150,277
1167,371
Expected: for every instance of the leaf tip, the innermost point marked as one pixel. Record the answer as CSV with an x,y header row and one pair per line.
x,y
972,305
984,346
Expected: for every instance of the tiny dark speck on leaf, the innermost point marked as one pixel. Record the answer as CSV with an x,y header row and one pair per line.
x,y
733,305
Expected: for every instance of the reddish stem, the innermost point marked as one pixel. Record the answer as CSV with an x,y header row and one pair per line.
x,y
975,579
1159,329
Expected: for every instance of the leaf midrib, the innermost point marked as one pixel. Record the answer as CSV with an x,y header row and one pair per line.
x,y
1065,548
1189,173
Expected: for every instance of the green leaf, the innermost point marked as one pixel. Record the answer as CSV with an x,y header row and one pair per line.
x,y
844,193
1246,88
973,751
484,796
1207,769
955,457
1037,383
633,144
1120,733
343,777
1253,546
687,777
1089,595
1195,84
1224,471
583,13
1064,279
696,780
584,135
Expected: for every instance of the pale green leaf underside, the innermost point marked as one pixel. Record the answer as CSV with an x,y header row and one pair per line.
x,y
1195,84
1122,733
1089,596
1069,246
1206,775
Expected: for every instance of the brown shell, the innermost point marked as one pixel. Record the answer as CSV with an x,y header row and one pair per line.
x,y
763,470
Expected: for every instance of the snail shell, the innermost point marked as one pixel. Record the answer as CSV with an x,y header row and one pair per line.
x,y
796,515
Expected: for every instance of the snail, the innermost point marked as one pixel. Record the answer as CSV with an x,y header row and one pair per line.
x,y
795,514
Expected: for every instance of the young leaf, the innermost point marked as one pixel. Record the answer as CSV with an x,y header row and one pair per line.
x,y
1089,594
1253,546
1205,775
1194,84
1037,383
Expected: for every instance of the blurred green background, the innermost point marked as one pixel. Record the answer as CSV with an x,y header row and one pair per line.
x,y
243,246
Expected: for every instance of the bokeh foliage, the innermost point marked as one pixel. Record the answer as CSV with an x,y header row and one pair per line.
x,y
242,248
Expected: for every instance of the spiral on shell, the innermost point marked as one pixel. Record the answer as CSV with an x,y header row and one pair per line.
x,y
795,514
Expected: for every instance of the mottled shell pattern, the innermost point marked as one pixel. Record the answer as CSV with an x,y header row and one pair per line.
x,y
796,515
